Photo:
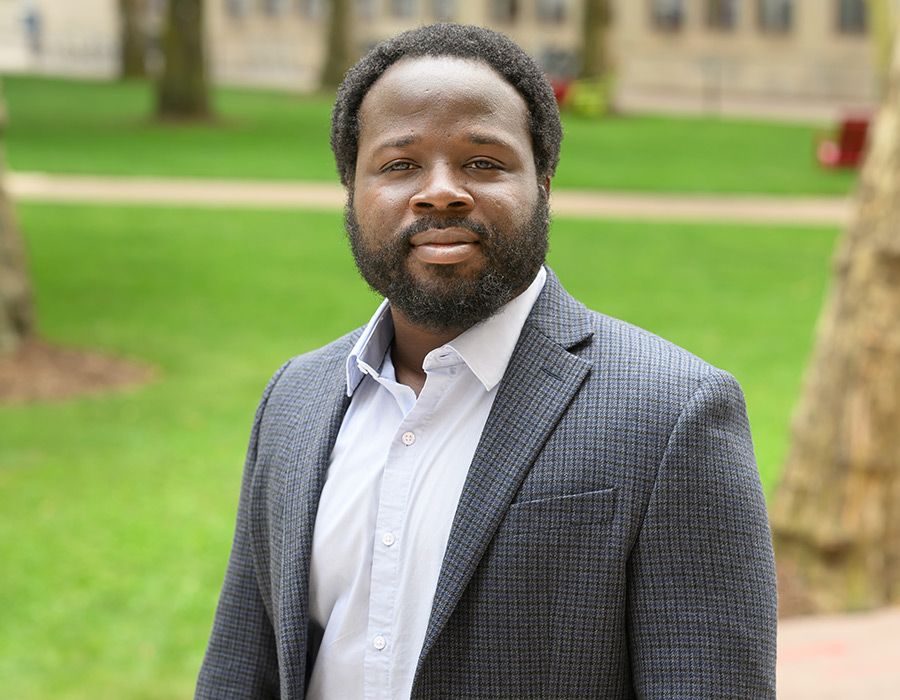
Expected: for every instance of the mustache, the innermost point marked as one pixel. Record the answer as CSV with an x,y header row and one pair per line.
x,y
439,223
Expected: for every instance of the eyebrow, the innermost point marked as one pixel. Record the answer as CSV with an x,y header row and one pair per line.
x,y
398,143
476,138
487,140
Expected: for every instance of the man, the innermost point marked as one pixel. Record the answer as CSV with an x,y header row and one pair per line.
x,y
489,491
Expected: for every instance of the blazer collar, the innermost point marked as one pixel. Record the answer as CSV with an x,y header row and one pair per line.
x,y
559,316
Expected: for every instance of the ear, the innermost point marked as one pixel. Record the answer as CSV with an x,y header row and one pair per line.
x,y
545,183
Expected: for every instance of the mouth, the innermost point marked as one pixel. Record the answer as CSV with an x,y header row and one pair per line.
x,y
444,246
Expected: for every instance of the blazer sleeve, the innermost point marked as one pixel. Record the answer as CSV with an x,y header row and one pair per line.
x,y
702,601
241,658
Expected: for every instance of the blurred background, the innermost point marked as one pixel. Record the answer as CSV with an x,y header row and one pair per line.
x,y
171,232
794,58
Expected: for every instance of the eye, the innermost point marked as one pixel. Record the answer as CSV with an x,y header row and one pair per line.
x,y
482,164
398,167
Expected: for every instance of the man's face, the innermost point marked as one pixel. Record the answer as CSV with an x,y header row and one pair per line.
x,y
446,215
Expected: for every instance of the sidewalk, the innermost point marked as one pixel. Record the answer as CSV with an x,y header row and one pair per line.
x,y
299,195
840,657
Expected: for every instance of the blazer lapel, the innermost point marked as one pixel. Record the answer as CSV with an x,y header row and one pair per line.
x,y
538,386
318,420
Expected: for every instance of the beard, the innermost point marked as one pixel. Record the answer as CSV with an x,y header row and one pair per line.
x,y
448,302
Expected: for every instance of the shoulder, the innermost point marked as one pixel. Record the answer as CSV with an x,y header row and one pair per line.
x,y
616,343
644,369
616,349
635,381
650,376
311,375
321,361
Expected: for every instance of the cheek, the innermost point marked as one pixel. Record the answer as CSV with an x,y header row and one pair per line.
x,y
389,203
381,202
511,208
383,218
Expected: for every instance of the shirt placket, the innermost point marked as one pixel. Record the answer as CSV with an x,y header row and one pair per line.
x,y
388,544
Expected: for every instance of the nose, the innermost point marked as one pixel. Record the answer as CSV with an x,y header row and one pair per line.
x,y
441,190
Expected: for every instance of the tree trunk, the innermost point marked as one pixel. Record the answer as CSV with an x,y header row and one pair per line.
x,y
882,21
16,306
133,40
836,513
595,30
338,54
183,92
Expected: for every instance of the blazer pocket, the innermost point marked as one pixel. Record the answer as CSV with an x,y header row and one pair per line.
x,y
559,513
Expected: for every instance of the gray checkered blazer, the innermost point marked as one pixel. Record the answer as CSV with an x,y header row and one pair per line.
x,y
611,539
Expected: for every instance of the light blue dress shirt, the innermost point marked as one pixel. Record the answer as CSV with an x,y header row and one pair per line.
x,y
393,483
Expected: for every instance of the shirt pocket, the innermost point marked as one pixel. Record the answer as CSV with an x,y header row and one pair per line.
x,y
559,513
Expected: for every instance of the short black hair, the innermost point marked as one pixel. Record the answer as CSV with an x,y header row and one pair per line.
x,y
460,41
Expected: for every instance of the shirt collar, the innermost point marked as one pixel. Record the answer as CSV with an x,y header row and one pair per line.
x,y
486,347
371,347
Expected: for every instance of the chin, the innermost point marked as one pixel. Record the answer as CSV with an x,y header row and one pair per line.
x,y
444,271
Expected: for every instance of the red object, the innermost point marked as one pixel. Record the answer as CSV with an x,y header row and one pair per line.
x,y
560,89
846,150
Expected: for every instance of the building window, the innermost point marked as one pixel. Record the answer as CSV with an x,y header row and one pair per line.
x,y
236,8
365,9
776,15
851,16
551,10
312,9
401,8
722,14
442,9
558,63
274,8
667,15
504,11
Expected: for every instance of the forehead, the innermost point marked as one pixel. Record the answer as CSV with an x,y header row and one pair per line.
x,y
442,87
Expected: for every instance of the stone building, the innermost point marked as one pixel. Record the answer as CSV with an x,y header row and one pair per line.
x,y
282,42
799,57
794,57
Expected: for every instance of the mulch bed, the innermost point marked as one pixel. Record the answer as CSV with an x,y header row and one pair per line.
x,y
39,371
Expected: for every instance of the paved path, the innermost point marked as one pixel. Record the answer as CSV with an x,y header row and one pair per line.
x,y
840,657
300,195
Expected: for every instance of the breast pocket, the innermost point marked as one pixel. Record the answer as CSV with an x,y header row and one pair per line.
x,y
559,513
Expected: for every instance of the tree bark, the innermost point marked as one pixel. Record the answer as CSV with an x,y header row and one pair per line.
x,y
16,304
836,512
338,53
595,31
133,41
183,91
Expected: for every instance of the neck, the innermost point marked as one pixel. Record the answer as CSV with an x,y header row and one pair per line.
x,y
411,345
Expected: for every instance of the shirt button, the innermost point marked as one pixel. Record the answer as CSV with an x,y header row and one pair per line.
x,y
388,539
408,438
379,642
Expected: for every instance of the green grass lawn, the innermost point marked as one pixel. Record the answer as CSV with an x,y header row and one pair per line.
x,y
118,511
694,155
105,128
